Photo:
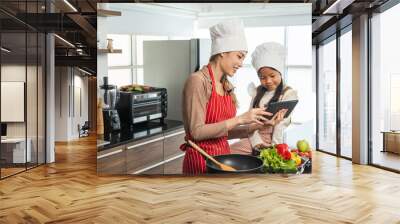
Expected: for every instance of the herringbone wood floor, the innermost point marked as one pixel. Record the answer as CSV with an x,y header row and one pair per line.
x,y
69,191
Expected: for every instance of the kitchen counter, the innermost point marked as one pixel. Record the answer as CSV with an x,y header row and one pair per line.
x,y
137,132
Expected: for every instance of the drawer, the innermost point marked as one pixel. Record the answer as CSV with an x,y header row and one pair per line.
x,y
172,141
154,171
174,166
112,161
392,142
144,154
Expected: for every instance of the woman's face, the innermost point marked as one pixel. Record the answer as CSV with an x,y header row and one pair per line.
x,y
232,61
269,78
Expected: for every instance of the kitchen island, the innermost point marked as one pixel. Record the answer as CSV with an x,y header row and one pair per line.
x,y
146,148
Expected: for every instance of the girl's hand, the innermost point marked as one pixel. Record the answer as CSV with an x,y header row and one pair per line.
x,y
262,146
277,118
255,115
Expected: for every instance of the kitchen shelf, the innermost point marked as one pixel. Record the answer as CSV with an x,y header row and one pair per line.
x,y
107,51
106,13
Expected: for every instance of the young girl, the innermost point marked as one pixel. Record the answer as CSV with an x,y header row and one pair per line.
x,y
269,61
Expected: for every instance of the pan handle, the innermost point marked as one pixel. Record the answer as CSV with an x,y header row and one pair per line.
x,y
202,152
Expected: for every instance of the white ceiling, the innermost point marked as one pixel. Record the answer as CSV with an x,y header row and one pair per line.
x,y
202,10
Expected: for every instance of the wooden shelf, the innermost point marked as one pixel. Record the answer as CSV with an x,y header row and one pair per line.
x,y
106,13
106,51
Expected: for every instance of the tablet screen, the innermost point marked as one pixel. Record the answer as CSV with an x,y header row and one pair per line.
x,y
277,106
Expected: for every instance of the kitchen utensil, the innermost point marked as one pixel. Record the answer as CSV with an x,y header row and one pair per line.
x,y
221,165
100,121
109,93
111,120
242,163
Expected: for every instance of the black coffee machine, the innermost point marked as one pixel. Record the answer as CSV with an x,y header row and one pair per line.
x,y
110,114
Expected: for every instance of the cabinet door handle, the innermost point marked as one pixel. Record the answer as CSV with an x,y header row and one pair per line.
x,y
174,134
110,153
157,164
145,143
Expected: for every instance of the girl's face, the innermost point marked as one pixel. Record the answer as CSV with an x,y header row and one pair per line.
x,y
232,61
269,78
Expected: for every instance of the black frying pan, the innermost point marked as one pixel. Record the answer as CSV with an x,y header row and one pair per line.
x,y
242,164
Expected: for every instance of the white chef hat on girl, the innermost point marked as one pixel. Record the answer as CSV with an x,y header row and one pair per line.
x,y
228,36
269,54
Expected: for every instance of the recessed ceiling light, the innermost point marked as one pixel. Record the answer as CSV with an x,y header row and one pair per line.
x,y
337,7
84,71
5,49
64,40
70,5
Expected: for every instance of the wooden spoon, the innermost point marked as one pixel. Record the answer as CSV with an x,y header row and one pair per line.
x,y
221,165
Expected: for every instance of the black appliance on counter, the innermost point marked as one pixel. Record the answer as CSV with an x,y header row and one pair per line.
x,y
111,120
141,106
110,113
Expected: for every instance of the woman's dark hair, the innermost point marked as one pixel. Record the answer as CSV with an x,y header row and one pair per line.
x,y
261,91
228,87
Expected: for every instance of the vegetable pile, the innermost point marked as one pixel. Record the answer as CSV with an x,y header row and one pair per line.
x,y
279,159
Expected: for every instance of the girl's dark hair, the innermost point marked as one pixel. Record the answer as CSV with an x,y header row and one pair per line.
x,y
261,91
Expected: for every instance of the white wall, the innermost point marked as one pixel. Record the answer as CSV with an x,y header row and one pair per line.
x,y
14,73
81,83
61,104
147,22
136,21
67,81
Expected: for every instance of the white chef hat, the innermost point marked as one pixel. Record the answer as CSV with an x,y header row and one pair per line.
x,y
269,54
228,36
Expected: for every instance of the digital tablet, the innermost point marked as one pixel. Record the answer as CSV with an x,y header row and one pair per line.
x,y
277,106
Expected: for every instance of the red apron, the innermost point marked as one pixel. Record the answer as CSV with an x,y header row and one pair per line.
x,y
219,108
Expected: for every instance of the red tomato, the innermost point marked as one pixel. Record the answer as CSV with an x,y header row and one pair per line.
x,y
282,148
287,155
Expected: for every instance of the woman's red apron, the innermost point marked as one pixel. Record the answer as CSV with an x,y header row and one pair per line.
x,y
219,108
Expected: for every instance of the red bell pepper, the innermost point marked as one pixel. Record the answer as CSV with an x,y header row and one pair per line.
x,y
282,148
287,155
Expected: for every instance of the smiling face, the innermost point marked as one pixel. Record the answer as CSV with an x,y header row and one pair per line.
x,y
232,61
269,78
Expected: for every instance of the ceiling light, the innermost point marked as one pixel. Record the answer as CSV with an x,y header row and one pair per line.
x,y
337,7
71,6
84,71
5,50
64,40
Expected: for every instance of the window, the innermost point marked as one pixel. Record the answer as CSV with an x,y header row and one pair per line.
x,y
120,42
127,68
327,97
385,88
120,77
346,94
394,101
299,76
299,45
258,35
